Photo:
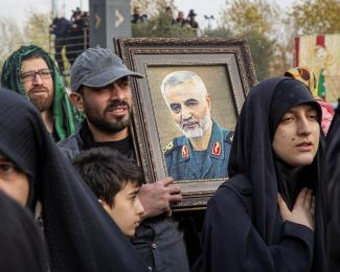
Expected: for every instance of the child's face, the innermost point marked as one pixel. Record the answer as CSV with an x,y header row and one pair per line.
x,y
127,209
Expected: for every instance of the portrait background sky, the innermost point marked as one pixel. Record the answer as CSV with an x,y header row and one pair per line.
x,y
18,10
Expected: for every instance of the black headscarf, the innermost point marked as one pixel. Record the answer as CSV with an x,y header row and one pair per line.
x,y
252,155
80,235
21,243
332,177
290,179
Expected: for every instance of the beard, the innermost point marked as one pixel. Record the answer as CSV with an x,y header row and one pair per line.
x,y
42,103
106,124
198,131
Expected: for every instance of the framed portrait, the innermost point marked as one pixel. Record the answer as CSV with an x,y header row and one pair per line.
x,y
186,107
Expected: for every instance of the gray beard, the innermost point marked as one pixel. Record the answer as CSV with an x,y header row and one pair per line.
x,y
197,133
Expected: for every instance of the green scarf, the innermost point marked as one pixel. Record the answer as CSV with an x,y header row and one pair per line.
x,y
63,111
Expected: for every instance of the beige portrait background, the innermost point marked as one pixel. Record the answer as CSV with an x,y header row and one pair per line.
x,y
216,81
307,56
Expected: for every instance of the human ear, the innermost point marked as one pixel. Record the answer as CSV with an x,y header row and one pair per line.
x,y
105,206
77,101
207,98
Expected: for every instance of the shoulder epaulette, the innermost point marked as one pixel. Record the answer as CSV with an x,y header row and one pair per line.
x,y
169,147
229,137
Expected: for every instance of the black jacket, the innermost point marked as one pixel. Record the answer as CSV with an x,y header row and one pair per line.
x,y
243,229
80,235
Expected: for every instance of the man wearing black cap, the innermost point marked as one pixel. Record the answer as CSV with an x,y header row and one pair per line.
x,y
100,88
191,19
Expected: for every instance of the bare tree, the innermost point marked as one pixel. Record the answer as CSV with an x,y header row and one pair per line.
x,y
316,16
36,29
11,38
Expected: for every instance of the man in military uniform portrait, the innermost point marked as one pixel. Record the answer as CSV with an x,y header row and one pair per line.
x,y
202,151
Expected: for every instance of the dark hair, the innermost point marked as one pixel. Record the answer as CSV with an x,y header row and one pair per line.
x,y
106,172
80,90
38,54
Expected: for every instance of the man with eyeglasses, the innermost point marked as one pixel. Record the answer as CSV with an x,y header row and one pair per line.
x,y
30,71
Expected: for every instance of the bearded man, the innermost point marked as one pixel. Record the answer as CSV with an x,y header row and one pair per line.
x,y
31,72
203,150
101,89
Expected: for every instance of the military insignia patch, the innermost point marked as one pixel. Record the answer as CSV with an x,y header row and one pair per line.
x,y
229,138
168,147
185,152
216,149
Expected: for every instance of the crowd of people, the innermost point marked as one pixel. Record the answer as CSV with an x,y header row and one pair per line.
x,y
73,35
69,163
180,20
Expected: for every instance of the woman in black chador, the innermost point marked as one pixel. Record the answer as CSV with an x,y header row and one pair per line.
x,y
21,244
332,176
80,235
269,216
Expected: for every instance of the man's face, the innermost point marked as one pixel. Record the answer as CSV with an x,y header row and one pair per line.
x,y
190,107
38,86
108,108
13,182
137,10
127,209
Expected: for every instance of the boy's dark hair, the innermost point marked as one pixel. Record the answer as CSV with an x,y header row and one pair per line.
x,y
106,172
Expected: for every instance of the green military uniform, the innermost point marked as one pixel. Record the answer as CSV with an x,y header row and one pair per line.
x,y
184,163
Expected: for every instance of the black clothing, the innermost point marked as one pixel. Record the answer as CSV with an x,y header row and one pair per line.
x,y
77,39
191,224
243,229
137,18
193,23
80,235
60,28
287,95
161,245
21,244
332,176
181,22
291,180
157,239
124,146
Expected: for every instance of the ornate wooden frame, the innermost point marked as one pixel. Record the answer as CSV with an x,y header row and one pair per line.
x,y
140,55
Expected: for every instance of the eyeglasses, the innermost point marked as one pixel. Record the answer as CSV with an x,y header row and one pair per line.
x,y
30,75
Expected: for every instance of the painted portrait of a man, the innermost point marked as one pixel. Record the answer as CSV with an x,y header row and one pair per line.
x,y
202,151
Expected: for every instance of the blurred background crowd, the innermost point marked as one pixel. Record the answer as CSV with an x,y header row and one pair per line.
x,y
270,30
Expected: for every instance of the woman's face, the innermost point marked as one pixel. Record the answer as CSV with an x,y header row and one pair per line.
x,y
13,181
296,139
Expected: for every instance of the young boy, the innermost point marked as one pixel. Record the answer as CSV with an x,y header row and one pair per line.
x,y
115,180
